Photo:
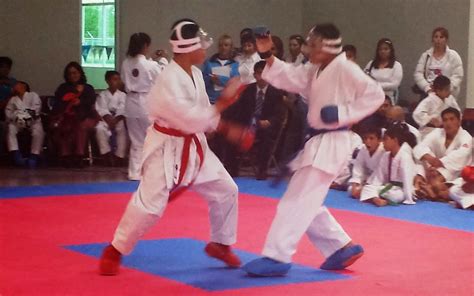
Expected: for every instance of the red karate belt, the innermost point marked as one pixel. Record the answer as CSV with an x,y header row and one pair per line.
x,y
188,138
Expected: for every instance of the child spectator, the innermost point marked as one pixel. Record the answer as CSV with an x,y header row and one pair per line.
x,y
392,181
428,112
248,58
341,181
367,160
462,192
23,113
111,107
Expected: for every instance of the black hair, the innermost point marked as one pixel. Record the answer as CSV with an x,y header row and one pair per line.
x,y
6,61
298,39
75,65
371,130
110,74
248,38
245,31
441,82
376,61
401,132
326,31
278,46
27,86
260,65
137,42
349,47
451,110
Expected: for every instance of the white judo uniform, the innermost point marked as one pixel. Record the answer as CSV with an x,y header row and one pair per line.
x,y
177,102
454,158
15,111
365,164
456,193
114,105
138,74
393,178
429,108
301,209
246,65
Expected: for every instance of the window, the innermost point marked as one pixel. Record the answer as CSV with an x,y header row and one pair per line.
x,y
98,33
98,50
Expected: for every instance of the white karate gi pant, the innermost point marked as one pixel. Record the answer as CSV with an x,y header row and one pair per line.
x,y
394,194
137,127
37,137
149,202
301,211
464,199
103,134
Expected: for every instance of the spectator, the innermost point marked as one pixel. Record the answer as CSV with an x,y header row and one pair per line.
x,y
295,43
260,106
367,160
392,181
385,69
277,47
351,52
462,192
444,153
111,108
23,113
74,115
396,113
439,60
6,90
248,58
219,68
428,112
341,182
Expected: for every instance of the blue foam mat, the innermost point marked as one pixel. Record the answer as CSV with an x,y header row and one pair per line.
x,y
184,261
425,212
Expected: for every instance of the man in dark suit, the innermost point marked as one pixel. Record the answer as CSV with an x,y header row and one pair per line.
x,y
260,106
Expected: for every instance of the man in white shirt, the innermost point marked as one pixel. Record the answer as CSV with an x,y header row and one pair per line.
x,y
111,107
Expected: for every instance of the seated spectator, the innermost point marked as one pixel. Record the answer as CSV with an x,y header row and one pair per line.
x,y
428,112
111,107
351,52
385,69
443,153
367,160
396,113
219,68
277,47
392,181
341,181
462,192
23,113
6,91
295,43
436,61
74,115
260,106
248,58
377,119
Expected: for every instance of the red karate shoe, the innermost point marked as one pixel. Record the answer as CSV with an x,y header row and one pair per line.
x,y
110,261
223,253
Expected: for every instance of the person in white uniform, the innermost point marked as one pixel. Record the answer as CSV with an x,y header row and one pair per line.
x,y
176,154
23,113
339,94
248,58
111,107
367,160
392,181
138,74
385,69
397,114
462,191
428,112
443,153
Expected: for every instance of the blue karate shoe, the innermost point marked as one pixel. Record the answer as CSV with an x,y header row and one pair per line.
x,y
266,267
342,258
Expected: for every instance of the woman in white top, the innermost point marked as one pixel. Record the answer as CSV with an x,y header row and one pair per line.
x,y
439,60
138,74
385,69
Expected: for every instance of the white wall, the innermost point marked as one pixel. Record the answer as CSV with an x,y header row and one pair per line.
x,y
41,37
